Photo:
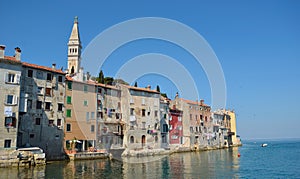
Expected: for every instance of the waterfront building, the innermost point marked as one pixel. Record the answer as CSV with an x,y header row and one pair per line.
x,y
175,126
10,73
164,121
42,109
196,121
141,114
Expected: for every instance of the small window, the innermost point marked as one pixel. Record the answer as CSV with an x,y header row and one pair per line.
x,y
69,85
7,143
51,123
179,118
31,136
156,139
37,121
92,128
47,106
69,99
118,116
12,78
10,122
68,113
60,107
48,91
143,112
156,113
92,115
201,117
87,116
131,111
99,90
85,103
40,90
205,118
11,100
49,76
60,79
85,88
131,139
58,122
68,128
38,104
30,73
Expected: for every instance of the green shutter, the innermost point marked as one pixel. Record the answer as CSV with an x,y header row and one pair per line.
x,y
69,85
68,112
69,100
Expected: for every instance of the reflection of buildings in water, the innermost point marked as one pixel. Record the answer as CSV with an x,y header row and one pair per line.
x,y
23,172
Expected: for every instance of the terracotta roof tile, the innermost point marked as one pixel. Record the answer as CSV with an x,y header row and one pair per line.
x,y
13,59
142,89
193,102
42,67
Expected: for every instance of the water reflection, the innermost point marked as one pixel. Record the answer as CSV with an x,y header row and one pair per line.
x,y
206,164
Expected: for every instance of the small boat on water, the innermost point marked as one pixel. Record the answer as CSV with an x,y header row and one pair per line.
x,y
264,145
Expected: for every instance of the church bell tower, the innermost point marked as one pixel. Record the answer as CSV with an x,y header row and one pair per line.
x,y
74,49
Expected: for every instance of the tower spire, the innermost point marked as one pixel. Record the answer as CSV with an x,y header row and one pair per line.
x,y
74,49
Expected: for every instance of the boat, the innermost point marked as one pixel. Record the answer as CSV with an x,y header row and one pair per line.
x,y
264,145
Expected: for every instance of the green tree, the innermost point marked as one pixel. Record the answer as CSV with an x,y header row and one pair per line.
x,y
135,84
157,88
120,81
100,78
108,80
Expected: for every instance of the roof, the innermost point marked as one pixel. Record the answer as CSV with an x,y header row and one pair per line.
x,y
141,89
12,59
42,68
91,82
194,102
75,37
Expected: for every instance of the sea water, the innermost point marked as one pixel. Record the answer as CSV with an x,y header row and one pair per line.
x,y
280,159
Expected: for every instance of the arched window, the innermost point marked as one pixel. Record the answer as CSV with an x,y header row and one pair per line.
x,y
72,70
131,139
156,139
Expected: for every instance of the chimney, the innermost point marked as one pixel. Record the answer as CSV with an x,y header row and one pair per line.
x,y
2,50
18,53
53,66
201,102
88,75
177,95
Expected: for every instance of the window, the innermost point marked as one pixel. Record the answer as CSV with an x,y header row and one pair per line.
x,y
179,118
131,139
47,106
201,117
68,128
131,100
87,116
205,118
132,111
31,136
85,102
29,104
143,102
69,85
58,122
10,122
92,115
51,123
68,113
29,73
7,143
165,128
99,90
12,78
40,90
48,91
191,129
196,117
38,104
11,100
92,128
49,76
69,100
143,112
118,115
37,121
60,107
85,88
60,79
156,139
156,113
191,116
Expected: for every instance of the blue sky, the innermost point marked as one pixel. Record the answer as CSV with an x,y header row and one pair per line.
x,y
256,42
